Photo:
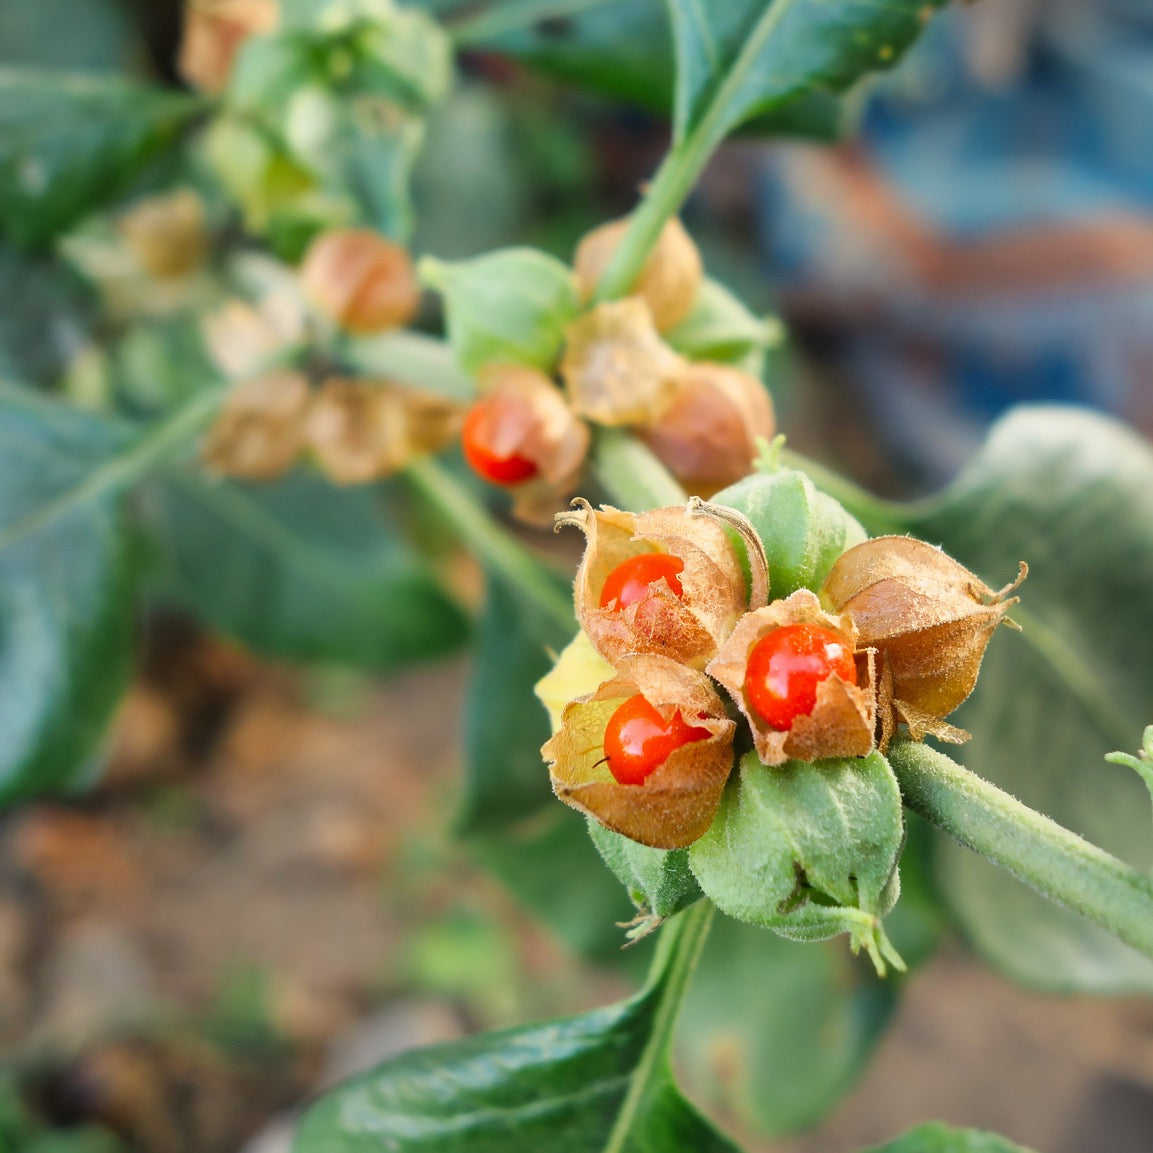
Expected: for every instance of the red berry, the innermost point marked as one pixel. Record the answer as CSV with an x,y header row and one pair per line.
x,y
631,579
476,437
638,740
786,666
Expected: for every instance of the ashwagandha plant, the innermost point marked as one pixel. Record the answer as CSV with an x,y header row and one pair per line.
x,y
756,652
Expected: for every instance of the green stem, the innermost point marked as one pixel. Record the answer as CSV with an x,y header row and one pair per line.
x,y
498,550
151,449
1049,858
877,515
630,474
679,949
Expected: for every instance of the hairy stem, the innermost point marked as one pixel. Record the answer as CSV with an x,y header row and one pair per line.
x,y
497,549
1049,858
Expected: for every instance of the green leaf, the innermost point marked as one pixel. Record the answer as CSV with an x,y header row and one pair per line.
x,y
599,1081
803,530
69,143
1071,493
720,328
938,1138
510,307
807,849
67,593
659,881
505,777
746,58
410,358
299,569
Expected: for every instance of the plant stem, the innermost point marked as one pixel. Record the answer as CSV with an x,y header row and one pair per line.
x,y
679,949
1049,858
152,448
497,549
630,474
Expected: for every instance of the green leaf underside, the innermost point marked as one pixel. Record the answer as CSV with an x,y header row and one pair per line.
x,y
659,881
1072,494
599,1081
299,569
67,594
938,1138
70,142
505,777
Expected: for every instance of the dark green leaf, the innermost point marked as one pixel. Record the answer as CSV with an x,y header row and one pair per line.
x,y
1072,494
807,849
97,34
67,593
747,58
299,569
71,142
938,1138
563,1086
505,726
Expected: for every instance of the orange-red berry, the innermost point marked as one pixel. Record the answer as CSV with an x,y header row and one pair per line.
x,y
631,579
638,740
785,667
476,441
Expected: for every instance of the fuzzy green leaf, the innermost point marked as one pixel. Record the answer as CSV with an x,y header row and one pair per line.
x,y
659,881
299,569
938,1138
69,143
67,593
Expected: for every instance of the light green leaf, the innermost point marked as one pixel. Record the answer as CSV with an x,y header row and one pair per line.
x,y
299,569
807,849
938,1138
67,593
509,307
410,358
1071,493
659,881
600,1081
720,328
69,143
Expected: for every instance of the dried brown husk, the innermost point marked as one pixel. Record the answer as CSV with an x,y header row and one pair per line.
x,y
525,414
616,368
214,32
166,234
928,616
260,430
361,430
361,281
687,629
669,281
678,801
843,721
707,435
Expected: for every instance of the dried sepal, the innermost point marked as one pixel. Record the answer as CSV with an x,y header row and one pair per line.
x,y
260,430
359,280
687,628
678,800
669,281
929,618
166,234
843,721
214,32
707,434
616,368
361,430
525,414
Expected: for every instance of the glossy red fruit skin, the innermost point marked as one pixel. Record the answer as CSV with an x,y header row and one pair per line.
x,y
638,740
496,469
631,579
786,666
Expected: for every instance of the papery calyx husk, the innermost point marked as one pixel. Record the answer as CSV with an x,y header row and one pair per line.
x,y
669,281
361,430
616,369
214,32
687,628
844,719
677,802
930,620
360,280
167,234
260,430
524,414
708,431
